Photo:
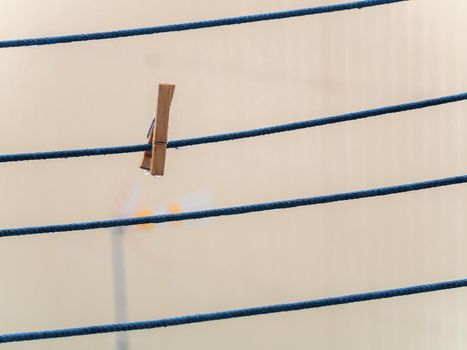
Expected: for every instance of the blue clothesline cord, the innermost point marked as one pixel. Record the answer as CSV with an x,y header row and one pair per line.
x,y
239,134
244,209
193,25
223,315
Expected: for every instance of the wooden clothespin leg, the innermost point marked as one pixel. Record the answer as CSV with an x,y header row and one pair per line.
x,y
154,160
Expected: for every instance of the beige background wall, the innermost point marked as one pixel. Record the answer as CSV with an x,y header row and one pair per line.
x,y
233,78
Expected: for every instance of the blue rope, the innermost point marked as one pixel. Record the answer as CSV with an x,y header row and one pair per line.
x,y
223,315
72,153
244,209
239,134
193,25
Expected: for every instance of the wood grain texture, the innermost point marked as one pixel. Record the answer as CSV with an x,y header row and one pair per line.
x,y
161,128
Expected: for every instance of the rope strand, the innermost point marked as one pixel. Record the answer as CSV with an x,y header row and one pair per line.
x,y
4,158
223,315
50,40
244,209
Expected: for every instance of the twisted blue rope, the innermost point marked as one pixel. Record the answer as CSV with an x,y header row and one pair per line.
x,y
239,134
193,25
223,315
244,209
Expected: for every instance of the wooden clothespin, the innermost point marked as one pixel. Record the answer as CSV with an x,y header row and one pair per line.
x,y
154,160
